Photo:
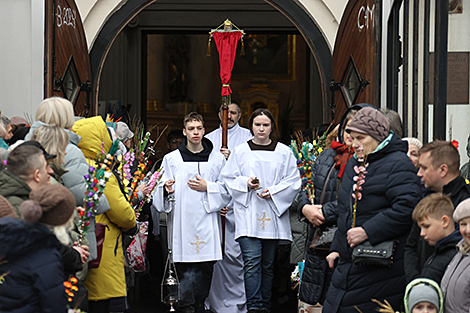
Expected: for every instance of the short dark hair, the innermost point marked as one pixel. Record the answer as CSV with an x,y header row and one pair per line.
x,y
434,206
442,152
24,160
267,113
174,134
193,116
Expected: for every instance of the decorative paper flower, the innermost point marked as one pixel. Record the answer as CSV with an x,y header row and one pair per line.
x,y
96,182
359,180
71,290
129,158
154,180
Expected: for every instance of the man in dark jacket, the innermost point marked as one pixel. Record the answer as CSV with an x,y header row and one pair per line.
x,y
439,163
27,170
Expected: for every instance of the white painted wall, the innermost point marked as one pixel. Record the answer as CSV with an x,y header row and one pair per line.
x,y
327,15
21,56
458,116
94,14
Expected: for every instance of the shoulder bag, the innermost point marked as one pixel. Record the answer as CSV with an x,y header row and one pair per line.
x,y
100,232
380,254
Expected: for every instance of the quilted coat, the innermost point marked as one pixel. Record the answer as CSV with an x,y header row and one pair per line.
x,y
108,280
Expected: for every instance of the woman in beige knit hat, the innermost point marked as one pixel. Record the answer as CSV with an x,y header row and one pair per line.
x,y
376,199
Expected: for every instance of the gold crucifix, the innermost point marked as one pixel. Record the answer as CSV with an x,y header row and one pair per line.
x,y
197,243
263,220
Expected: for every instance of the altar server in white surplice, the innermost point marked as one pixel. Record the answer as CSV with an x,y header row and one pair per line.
x,y
262,178
191,174
227,294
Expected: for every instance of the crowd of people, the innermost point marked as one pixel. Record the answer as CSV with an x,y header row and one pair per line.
x,y
387,225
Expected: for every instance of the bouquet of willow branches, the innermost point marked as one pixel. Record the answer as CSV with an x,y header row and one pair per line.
x,y
306,154
96,180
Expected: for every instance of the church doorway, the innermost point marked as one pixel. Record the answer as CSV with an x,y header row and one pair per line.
x,y
156,67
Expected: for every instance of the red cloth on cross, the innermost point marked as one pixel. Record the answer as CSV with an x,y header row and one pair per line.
x,y
226,43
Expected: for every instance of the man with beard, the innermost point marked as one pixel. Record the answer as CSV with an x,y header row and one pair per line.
x,y
227,294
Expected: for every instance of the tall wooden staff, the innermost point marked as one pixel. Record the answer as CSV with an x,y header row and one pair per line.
x,y
226,40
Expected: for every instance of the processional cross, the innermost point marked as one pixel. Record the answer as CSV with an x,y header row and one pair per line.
x,y
226,40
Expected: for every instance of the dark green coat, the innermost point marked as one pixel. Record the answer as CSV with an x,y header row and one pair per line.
x,y
14,190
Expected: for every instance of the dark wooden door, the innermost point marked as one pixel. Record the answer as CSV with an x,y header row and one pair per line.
x,y
67,64
356,59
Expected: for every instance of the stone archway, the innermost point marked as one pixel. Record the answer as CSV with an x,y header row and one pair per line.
x,y
118,17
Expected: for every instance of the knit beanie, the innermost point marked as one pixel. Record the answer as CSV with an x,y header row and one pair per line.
x,y
18,120
123,132
372,122
414,141
462,210
423,293
50,204
6,209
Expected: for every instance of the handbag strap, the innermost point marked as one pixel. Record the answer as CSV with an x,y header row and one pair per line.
x,y
326,181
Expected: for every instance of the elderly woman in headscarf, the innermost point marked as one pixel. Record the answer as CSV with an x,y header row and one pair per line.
x,y
377,210
327,174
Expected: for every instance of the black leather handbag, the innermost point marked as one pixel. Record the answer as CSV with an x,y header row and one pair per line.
x,y
380,254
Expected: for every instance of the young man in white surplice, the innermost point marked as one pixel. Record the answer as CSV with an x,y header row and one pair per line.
x,y
191,175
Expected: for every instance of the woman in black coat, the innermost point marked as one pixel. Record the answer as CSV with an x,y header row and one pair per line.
x,y
388,196
327,174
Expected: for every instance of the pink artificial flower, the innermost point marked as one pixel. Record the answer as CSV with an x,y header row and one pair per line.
x,y
359,196
356,187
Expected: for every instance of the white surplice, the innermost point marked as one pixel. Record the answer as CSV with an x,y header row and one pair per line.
x,y
227,293
196,219
235,136
277,171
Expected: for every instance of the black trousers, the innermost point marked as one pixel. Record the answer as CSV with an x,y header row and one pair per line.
x,y
195,282
101,306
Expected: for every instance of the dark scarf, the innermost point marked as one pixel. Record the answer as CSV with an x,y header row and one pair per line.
x,y
344,153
